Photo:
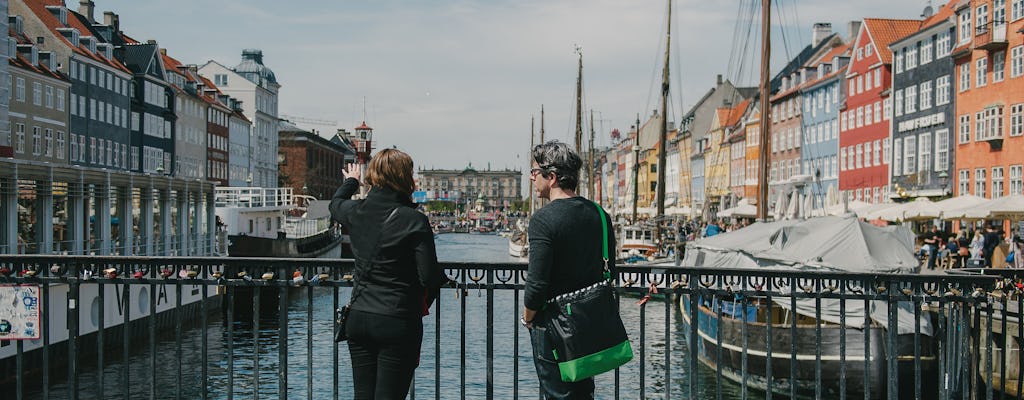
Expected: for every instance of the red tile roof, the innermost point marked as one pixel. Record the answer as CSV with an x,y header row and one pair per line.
x,y
51,22
737,113
941,14
885,31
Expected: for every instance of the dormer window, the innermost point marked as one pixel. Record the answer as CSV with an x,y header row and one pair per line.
x,y
60,12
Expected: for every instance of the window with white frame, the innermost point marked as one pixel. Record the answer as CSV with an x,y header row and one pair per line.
x,y
897,157
1017,120
1016,9
965,33
898,103
926,95
981,69
835,129
860,84
74,147
60,99
980,182
49,96
981,18
997,182
842,158
998,66
910,57
897,61
1016,183
876,153
998,12
942,44
858,160
885,150
860,117
964,182
926,51
887,107
878,77
878,111
868,115
37,141
992,123
965,129
979,125
941,149
19,91
942,90
911,99
924,151
909,155
1017,61
48,143
19,138
842,123
867,81
965,76
867,154
37,93
60,145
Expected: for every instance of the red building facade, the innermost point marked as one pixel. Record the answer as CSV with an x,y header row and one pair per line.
x,y
862,176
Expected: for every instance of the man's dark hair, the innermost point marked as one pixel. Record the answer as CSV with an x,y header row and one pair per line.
x,y
557,157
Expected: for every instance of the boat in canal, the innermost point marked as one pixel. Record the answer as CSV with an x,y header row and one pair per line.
x,y
268,222
731,328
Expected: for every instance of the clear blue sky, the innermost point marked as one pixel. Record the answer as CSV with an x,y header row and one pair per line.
x,y
456,81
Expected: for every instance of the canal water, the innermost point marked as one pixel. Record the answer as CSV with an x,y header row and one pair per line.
x,y
451,247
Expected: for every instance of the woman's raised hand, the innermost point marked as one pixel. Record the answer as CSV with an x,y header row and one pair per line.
x,y
354,171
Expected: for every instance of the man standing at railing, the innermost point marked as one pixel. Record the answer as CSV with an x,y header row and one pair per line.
x,y
565,255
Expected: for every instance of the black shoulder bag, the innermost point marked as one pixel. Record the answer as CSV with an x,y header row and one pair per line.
x,y
585,327
341,314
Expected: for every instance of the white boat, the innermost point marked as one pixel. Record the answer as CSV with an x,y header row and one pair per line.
x,y
267,222
518,244
636,241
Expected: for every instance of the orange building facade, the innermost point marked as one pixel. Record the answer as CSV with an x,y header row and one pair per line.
x,y
989,74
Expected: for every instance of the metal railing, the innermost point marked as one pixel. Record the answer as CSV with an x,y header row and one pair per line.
x,y
271,333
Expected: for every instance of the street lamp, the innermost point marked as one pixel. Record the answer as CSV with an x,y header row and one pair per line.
x,y
944,180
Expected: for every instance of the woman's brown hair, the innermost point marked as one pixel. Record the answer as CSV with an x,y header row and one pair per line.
x,y
391,168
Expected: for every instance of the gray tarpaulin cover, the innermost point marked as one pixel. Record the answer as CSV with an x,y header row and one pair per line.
x,y
834,243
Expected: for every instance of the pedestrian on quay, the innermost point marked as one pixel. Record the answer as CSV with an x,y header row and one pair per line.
x,y
565,255
397,276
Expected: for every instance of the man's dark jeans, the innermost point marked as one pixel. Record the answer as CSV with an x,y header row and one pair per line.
x,y
551,385
385,351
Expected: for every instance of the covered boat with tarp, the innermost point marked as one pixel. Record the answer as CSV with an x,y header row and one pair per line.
x,y
817,333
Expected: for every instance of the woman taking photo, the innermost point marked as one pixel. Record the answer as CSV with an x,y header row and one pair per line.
x,y
396,275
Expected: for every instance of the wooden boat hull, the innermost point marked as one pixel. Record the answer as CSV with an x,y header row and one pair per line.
x,y
727,353
283,247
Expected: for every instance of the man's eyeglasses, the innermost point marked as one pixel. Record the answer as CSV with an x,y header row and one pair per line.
x,y
536,171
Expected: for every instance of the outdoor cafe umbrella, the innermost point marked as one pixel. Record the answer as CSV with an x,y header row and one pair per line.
x,y
957,207
1008,207
920,208
872,211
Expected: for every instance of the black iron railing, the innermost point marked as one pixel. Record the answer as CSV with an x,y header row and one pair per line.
x,y
175,327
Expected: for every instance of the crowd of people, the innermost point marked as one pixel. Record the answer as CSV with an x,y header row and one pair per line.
x,y
969,247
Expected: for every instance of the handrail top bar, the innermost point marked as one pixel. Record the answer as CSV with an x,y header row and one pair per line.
x,y
516,266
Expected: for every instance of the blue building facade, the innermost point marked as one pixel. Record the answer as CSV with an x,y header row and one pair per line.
x,y
821,101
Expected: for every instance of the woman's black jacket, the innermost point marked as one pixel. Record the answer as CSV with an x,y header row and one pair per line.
x,y
404,279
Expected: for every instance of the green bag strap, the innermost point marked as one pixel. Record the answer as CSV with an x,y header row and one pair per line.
x,y
604,240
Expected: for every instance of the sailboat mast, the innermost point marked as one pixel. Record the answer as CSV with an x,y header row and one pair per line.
x,y
590,160
662,162
541,125
762,172
579,101
636,165
530,163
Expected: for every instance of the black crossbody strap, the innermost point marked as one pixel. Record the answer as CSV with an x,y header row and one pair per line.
x,y
604,240
376,250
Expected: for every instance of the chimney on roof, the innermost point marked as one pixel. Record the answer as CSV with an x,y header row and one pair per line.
x,y
150,41
718,80
110,19
852,30
86,8
820,31
163,51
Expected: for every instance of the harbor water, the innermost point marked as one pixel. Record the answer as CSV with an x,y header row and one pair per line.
x,y
451,247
